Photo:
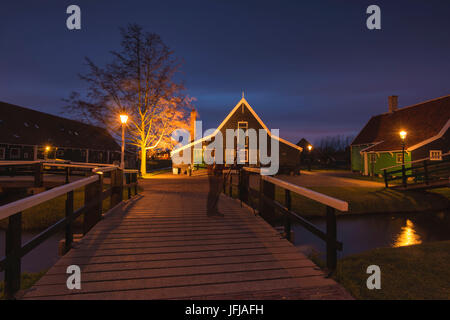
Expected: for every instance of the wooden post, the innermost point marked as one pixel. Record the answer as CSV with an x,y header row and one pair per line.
x,y
230,187
38,175
331,239
386,183
67,175
117,187
425,171
268,188
244,182
261,195
128,181
13,245
93,193
287,223
403,176
135,180
69,229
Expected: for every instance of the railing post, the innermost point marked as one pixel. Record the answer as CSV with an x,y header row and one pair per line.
x,y
425,171
38,175
403,176
135,180
13,245
93,196
386,183
244,186
230,187
287,224
117,187
128,181
331,239
69,230
67,175
268,192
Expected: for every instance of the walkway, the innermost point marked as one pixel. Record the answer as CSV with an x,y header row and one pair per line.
x,y
163,246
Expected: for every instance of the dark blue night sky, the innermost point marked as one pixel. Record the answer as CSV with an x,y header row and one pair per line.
x,y
310,68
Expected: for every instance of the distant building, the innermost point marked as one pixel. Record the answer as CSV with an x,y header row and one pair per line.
x,y
379,145
242,116
27,134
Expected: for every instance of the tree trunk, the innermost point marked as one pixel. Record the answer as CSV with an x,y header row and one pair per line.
x,y
143,161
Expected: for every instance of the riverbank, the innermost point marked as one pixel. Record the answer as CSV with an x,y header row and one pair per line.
x,y
371,200
412,272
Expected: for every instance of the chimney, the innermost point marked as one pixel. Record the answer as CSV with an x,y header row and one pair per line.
x,y
193,119
393,103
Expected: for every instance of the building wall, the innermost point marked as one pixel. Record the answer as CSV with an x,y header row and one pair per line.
x,y
384,160
442,144
357,160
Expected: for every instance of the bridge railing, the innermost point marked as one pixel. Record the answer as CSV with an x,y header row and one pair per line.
x,y
423,171
267,205
95,192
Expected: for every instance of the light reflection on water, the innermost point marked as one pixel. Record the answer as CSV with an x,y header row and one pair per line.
x,y
408,236
360,233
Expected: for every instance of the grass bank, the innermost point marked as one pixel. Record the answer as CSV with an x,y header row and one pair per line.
x,y
413,272
28,280
371,200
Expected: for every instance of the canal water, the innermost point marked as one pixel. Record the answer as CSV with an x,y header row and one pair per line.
x,y
360,233
41,258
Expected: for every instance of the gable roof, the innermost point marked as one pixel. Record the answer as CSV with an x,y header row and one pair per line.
x,y
242,101
24,126
423,122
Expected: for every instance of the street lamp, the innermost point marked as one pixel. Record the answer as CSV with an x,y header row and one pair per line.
x,y
309,157
123,119
403,134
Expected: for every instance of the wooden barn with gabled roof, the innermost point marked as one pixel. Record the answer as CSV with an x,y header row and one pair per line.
x,y
242,116
379,145
27,134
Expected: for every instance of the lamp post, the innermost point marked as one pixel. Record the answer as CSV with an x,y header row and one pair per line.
x,y
309,157
403,134
123,119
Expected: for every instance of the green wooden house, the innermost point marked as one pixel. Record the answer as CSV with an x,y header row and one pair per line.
x,y
379,145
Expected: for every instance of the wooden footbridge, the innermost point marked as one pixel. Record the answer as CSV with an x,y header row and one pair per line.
x,y
160,244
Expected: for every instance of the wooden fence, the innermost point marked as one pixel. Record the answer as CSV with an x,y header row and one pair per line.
x,y
267,205
94,194
424,172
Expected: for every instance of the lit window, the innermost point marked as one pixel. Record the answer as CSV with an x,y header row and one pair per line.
x,y
14,153
242,156
436,155
399,157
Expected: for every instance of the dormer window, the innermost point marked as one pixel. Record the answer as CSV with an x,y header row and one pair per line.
x,y
436,155
36,126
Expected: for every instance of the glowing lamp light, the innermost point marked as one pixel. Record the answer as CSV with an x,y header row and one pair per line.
x,y
403,134
123,118
310,147
47,148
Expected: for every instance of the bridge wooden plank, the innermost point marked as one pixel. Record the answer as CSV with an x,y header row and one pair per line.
x,y
165,247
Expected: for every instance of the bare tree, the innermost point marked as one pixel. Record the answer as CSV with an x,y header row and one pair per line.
x,y
139,81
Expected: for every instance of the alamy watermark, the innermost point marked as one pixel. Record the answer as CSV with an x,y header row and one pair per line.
x,y
252,147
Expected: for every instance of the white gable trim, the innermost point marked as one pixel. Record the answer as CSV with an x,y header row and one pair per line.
x,y
425,142
242,101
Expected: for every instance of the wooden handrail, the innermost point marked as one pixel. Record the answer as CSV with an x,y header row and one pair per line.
x,y
26,203
316,196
